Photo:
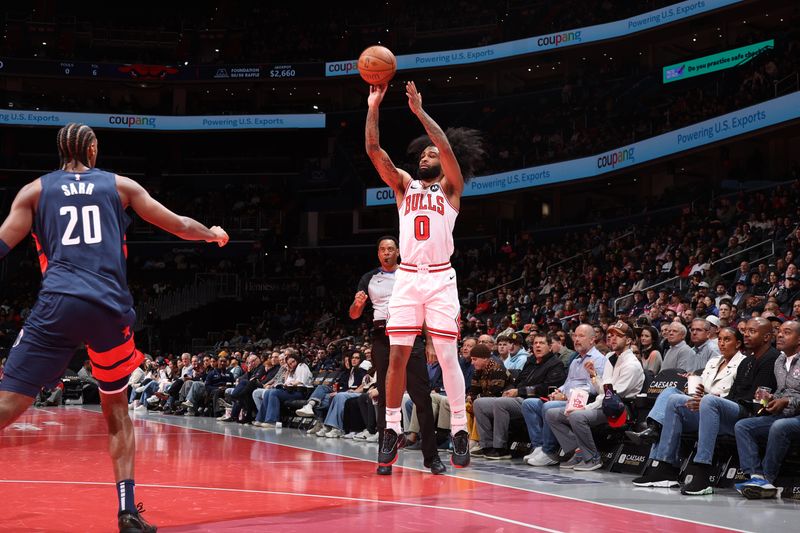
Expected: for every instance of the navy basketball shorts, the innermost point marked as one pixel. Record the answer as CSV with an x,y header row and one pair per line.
x,y
57,326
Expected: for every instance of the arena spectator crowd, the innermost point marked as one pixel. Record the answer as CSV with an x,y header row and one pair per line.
x,y
590,319
559,335
217,33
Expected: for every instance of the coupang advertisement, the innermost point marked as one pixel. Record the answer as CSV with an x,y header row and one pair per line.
x,y
541,43
777,111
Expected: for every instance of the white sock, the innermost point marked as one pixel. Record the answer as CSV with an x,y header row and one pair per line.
x,y
447,354
393,419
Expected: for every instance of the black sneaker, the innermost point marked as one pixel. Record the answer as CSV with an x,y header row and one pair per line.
x,y
661,475
384,471
481,452
498,453
436,465
460,457
132,522
390,443
647,437
699,480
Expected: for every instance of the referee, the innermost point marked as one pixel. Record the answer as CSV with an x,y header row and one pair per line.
x,y
376,286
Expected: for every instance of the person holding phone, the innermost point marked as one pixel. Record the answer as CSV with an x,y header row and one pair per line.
x,y
574,430
682,411
780,426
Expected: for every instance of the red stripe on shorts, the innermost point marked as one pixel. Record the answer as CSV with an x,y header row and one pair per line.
x,y
443,333
116,363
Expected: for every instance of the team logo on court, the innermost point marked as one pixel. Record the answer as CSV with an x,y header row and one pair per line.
x,y
435,187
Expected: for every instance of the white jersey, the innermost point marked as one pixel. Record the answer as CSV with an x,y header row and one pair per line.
x,y
426,225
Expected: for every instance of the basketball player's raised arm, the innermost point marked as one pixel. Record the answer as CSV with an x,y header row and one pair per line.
x,y
450,166
155,213
394,177
19,221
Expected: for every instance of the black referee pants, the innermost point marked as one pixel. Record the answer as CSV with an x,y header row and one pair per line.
x,y
417,384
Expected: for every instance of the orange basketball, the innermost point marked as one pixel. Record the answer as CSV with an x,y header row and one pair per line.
x,y
377,65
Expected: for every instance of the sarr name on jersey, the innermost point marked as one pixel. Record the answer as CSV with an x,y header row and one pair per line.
x,y
81,188
424,202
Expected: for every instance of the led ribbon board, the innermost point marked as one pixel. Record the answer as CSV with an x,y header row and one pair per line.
x,y
162,122
540,43
749,119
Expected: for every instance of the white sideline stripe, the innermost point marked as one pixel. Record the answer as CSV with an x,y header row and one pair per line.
x,y
298,494
610,506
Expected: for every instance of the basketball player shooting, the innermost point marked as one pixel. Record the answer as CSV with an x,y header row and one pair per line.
x,y
78,218
425,287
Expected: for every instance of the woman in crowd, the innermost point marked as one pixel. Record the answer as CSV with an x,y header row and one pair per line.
x,y
649,342
297,375
682,413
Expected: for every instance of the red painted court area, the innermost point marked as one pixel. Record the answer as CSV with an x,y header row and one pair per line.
x,y
56,476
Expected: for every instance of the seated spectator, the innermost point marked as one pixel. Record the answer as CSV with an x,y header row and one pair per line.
x,y
543,442
320,399
50,397
145,384
191,385
704,347
779,427
465,361
789,293
490,343
649,342
218,377
297,375
134,381
517,354
242,393
368,406
559,345
717,379
574,430
679,355
441,406
727,313
493,415
91,391
333,426
710,415
235,368
161,379
489,380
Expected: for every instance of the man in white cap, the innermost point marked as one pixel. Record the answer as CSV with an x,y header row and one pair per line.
x,y
713,331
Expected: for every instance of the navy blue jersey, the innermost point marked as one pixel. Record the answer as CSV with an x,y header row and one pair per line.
x,y
79,231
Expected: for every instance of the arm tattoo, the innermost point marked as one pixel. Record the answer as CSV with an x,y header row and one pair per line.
x,y
372,136
387,164
434,131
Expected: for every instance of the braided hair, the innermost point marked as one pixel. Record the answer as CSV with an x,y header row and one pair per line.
x,y
73,142
467,145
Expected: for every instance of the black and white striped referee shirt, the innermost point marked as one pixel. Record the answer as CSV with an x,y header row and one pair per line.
x,y
378,285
